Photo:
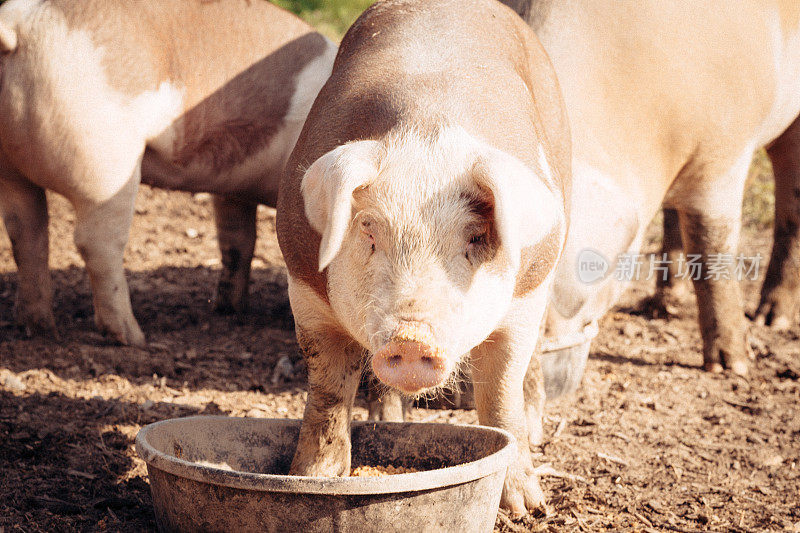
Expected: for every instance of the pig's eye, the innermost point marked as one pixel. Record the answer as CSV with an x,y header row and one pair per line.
x,y
474,247
478,240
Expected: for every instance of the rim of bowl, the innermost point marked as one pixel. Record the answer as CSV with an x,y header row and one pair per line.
x,y
408,482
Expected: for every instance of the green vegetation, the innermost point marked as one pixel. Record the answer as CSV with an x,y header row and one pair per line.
x,y
330,17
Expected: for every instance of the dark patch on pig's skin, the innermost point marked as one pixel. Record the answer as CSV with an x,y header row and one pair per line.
x,y
299,242
481,205
323,398
223,143
307,346
537,262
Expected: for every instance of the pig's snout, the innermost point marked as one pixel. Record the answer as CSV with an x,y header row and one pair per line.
x,y
411,361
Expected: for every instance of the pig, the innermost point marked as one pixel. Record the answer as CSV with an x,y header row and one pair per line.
x,y
97,96
667,102
421,215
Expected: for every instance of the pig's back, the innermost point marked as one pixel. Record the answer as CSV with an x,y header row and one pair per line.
x,y
427,63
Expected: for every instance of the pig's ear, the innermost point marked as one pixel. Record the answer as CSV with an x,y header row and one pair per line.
x,y
327,189
525,210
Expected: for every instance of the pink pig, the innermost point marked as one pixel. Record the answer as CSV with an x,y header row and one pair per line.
x,y
421,216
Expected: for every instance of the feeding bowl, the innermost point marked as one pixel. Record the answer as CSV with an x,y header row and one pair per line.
x,y
215,473
564,360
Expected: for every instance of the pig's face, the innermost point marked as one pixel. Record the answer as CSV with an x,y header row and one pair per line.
x,y
422,241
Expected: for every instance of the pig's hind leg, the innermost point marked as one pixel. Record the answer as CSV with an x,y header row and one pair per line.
x,y
780,294
23,206
236,235
101,233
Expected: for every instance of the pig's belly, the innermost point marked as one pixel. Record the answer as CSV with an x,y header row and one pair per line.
x,y
212,169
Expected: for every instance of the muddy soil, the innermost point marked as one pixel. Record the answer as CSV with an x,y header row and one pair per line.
x,y
649,443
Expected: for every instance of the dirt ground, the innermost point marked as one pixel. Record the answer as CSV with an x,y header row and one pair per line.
x,y
649,443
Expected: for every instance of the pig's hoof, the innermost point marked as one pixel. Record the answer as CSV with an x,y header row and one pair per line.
x,y
38,324
740,368
223,306
773,312
737,364
318,464
132,337
665,303
522,494
127,333
229,301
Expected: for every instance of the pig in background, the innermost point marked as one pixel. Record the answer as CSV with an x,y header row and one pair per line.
x,y
667,102
421,215
97,96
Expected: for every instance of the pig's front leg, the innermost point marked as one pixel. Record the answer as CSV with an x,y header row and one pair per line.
x,y
334,371
499,373
385,405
